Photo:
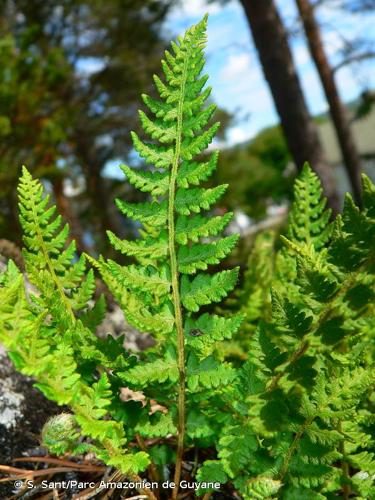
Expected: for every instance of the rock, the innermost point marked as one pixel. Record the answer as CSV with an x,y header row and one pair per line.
x,y
23,411
9,250
115,324
10,404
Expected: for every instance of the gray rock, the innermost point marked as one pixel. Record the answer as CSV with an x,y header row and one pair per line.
x,y
23,412
115,324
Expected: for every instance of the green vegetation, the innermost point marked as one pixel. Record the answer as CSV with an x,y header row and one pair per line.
x,y
256,172
274,401
70,76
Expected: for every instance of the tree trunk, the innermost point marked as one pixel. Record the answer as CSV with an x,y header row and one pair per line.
x,y
345,137
301,134
66,212
98,195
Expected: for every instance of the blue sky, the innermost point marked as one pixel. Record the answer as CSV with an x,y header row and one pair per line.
x,y
235,74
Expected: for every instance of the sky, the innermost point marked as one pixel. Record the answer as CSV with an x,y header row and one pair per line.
x,y
235,73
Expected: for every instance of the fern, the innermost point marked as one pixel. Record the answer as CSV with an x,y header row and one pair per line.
x,y
159,286
308,219
160,292
45,333
293,417
301,409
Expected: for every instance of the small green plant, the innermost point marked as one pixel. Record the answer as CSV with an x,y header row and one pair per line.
x,y
292,418
161,293
302,418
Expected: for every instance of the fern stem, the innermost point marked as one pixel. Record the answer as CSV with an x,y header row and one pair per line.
x,y
176,288
153,471
345,468
145,491
50,266
292,449
292,359
346,487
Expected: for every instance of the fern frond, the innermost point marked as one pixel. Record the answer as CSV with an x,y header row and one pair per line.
x,y
308,218
146,279
208,373
140,249
155,183
154,213
200,256
159,156
197,199
156,295
49,260
157,371
211,329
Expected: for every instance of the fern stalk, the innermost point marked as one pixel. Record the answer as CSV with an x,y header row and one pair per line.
x,y
292,449
346,491
176,285
144,491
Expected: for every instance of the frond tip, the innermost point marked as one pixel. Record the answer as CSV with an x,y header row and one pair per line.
x,y
50,260
179,129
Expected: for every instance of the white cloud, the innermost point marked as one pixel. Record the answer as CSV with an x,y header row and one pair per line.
x,y
235,66
89,65
193,8
237,134
243,85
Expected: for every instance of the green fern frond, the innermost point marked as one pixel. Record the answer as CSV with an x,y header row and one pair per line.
x,y
308,218
49,260
282,403
195,200
155,183
302,395
199,227
142,249
156,295
157,371
200,256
